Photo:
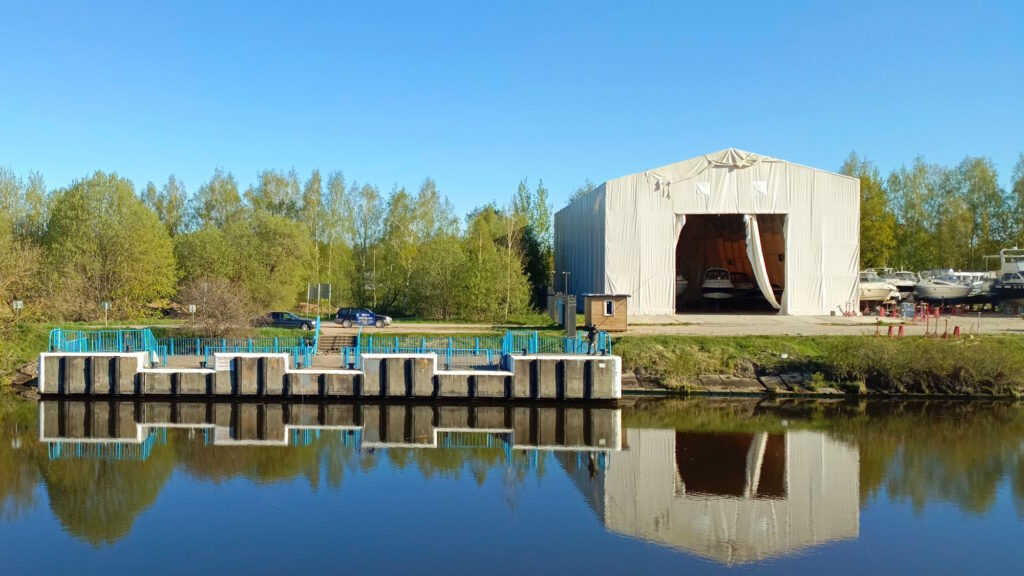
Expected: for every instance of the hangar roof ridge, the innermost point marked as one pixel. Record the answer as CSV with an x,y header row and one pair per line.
x,y
726,156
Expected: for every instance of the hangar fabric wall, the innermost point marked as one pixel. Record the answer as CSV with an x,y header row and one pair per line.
x,y
631,250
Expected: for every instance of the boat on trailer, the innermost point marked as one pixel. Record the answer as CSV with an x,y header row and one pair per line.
x,y
874,289
717,284
942,288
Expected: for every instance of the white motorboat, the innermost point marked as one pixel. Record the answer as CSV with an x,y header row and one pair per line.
x,y
874,289
717,284
945,288
903,280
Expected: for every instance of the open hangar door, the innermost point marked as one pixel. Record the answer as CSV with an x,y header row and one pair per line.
x,y
709,241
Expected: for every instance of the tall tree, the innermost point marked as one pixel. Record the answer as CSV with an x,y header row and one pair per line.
x,y
104,244
169,204
337,226
877,220
277,193
399,249
217,201
911,195
312,218
271,254
368,210
1015,232
978,185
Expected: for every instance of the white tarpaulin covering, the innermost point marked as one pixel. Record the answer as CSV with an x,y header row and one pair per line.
x,y
621,238
756,255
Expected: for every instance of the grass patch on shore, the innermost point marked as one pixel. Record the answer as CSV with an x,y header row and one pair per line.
x,y
19,344
987,365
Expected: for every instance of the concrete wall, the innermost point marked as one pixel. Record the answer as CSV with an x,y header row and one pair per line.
x,y
547,377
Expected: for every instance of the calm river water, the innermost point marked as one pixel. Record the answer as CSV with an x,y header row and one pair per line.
x,y
651,487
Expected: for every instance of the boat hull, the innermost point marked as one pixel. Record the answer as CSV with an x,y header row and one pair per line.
x,y
876,294
944,294
1008,294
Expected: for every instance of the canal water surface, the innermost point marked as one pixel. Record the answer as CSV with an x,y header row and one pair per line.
x,y
652,486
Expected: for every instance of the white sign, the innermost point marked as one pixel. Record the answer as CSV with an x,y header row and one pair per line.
x,y
106,305
191,308
17,304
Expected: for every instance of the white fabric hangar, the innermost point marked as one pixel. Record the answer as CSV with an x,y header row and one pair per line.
x,y
794,230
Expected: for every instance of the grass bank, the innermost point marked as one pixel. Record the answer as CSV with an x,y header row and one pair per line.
x,y
19,344
970,366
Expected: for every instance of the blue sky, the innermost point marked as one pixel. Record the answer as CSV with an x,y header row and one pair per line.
x,y
481,94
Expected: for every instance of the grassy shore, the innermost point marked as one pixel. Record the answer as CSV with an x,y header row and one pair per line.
x,y
969,366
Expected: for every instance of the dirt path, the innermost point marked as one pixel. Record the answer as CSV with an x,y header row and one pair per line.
x,y
745,325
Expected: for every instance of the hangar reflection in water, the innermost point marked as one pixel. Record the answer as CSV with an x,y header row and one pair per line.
x,y
730,497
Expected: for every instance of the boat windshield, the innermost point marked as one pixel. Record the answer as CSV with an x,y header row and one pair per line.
x,y
716,274
869,277
906,276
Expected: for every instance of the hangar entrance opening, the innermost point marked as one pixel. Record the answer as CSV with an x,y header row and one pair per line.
x,y
709,241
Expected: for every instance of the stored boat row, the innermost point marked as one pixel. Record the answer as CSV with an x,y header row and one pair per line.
x,y
1004,288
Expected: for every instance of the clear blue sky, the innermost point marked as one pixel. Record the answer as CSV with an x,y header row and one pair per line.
x,y
481,94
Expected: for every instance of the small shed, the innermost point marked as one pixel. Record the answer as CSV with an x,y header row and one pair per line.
x,y
605,311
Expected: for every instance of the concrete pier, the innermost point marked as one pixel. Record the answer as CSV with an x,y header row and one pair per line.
x,y
379,423
538,377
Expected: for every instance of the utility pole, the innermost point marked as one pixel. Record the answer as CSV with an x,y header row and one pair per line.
x,y
566,276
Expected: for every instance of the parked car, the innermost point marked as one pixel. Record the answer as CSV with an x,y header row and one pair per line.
x,y
288,320
349,317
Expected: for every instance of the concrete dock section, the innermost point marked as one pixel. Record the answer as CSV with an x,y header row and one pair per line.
x,y
529,377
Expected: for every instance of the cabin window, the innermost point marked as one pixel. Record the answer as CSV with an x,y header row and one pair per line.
x,y
609,308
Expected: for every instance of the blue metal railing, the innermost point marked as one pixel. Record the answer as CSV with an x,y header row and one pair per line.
x,y
302,356
301,348
493,348
114,451
136,339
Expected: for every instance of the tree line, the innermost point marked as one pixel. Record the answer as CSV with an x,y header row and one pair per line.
x,y
928,216
66,251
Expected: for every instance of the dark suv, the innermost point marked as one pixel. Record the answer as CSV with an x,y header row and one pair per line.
x,y
288,320
349,317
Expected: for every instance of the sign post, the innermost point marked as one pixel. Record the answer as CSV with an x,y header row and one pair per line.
x,y
17,305
106,308
192,311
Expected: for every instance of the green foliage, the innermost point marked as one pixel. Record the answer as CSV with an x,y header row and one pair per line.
x,y
398,253
271,256
204,252
983,366
951,217
168,203
581,191
104,244
217,201
877,221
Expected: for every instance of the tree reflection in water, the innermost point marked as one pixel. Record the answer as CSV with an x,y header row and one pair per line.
x,y
918,452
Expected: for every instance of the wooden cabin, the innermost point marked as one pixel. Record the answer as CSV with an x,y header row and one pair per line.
x,y
605,311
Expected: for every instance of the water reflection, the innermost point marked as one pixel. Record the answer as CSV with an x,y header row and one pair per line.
x,y
731,481
730,497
